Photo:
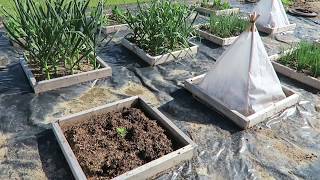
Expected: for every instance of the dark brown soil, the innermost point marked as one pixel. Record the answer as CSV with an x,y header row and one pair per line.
x,y
112,20
310,5
209,6
103,153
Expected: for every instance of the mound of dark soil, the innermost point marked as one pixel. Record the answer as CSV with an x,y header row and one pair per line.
x,y
104,152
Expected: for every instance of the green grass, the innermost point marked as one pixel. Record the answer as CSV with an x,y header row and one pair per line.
x,y
306,58
8,4
226,26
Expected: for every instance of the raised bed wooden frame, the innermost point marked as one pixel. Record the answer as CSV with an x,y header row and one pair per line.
x,y
143,172
160,59
267,30
207,11
215,39
242,121
114,28
65,81
293,74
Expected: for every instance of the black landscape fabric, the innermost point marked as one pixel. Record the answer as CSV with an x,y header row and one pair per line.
x,y
285,147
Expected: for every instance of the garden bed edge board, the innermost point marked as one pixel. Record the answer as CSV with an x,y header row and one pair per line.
x,y
267,30
242,121
160,59
298,76
215,39
65,81
114,28
143,172
208,11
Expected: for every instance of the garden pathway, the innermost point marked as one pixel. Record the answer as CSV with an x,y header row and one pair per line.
x,y
284,147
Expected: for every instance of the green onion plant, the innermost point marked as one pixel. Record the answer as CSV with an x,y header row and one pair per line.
x,y
216,4
160,27
57,35
117,14
287,2
306,58
226,26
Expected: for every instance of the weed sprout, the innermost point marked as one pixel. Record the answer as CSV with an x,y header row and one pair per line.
x,y
122,132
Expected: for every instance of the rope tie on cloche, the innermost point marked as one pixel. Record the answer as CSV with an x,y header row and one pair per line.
x,y
252,19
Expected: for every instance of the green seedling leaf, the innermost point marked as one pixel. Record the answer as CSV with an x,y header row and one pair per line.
x,y
122,132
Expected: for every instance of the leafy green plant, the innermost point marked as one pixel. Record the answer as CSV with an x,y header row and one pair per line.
x,y
122,132
306,58
287,2
161,27
117,14
57,35
216,4
226,26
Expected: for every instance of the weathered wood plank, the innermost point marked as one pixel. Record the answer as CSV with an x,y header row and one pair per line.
x,y
65,81
114,28
267,30
298,76
67,152
207,11
155,60
215,39
110,107
156,166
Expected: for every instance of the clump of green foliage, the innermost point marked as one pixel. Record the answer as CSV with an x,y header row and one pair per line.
x,y
122,132
216,4
287,2
306,58
117,15
226,26
160,27
56,34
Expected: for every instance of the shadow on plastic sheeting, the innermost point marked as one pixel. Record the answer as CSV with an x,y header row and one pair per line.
x,y
117,55
196,112
13,80
53,162
207,49
297,84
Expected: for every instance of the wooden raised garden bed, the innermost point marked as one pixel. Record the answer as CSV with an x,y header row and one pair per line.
x,y
208,11
155,60
267,30
293,74
106,118
55,83
241,120
215,39
114,28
